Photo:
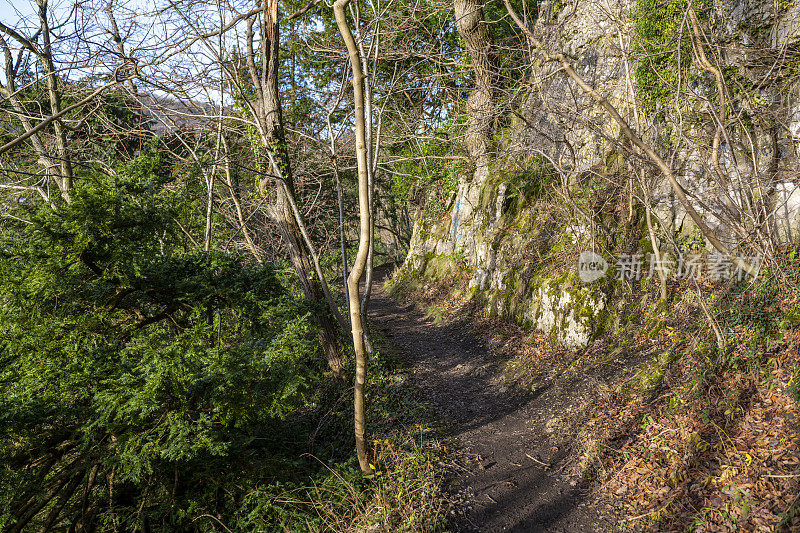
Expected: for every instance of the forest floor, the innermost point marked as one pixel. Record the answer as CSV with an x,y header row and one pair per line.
x,y
509,474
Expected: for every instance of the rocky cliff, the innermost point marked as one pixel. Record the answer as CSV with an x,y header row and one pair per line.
x,y
717,97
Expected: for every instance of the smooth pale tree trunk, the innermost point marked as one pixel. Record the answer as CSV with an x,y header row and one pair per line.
x,y
339,193
210,178
371,171
209,212
362,255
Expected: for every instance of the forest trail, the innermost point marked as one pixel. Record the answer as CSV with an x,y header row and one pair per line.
x,y
503,483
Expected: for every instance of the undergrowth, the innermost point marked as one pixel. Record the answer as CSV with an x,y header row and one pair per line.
x,y
703,437
679,433
405,491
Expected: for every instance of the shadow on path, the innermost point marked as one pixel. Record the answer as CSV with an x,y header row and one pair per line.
x,y
504,484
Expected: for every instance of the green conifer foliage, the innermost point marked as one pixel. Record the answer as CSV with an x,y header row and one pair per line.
x,y
136,377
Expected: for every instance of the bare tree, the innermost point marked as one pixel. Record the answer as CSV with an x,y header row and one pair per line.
x,y
365,227
56,56
248,59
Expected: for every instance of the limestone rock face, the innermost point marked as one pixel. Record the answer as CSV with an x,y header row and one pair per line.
x,y
512,283
563,125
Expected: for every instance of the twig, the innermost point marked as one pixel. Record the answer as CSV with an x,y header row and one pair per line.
x,y
537,460
649,513
214,518
303,10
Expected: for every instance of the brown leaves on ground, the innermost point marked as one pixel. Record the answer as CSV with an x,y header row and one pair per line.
x,y
675,438
714,455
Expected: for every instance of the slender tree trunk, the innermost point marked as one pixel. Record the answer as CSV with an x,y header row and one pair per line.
x,y
292,236
209,212
662,277
210,178
371,170
342,236
237,203
64,177
362,256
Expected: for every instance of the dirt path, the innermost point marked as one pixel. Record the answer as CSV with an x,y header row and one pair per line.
x,y
503,483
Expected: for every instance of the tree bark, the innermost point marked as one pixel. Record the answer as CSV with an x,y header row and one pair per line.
x,y
265,81
480,105
362,255
64,177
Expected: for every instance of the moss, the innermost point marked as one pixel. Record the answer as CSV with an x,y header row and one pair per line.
x,y
525,220
436,312
529,230
523,183
585,306
404,282
488,193
654,326
652,374
646,246
690,238
791,319
658,25
650,377
440,267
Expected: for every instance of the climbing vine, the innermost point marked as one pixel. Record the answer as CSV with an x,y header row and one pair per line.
x,y
664,48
